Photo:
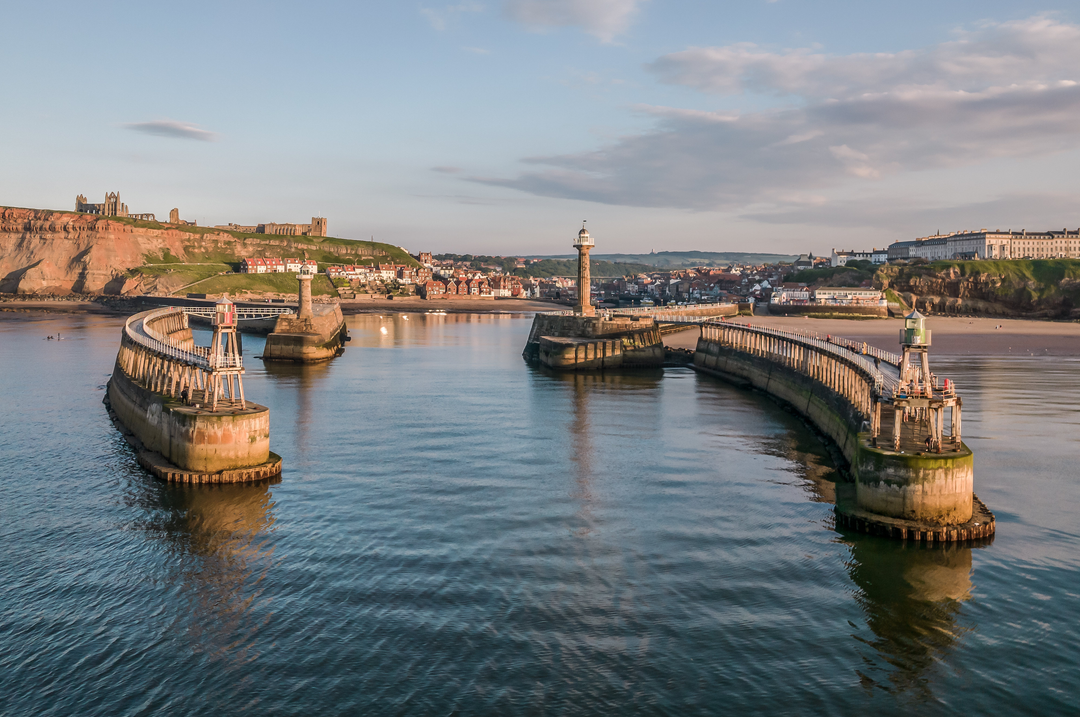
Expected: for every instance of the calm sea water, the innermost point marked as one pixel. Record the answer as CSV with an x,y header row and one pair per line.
x,y
457,533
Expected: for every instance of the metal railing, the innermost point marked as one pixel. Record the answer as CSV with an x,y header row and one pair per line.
x,y
140,332
242,312
883,384
675,316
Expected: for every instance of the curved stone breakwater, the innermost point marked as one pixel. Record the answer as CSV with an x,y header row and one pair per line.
x,y
177,404
903,490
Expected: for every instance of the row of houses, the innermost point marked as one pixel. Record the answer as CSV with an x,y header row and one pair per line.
x,y
497,286
277,266
970,244
385,273
997,244
800,294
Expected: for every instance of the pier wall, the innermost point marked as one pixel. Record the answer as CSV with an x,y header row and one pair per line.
x,y
594,343
319,337
189,439
928,489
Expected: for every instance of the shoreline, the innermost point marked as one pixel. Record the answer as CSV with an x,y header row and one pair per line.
x,y
414,305
950,336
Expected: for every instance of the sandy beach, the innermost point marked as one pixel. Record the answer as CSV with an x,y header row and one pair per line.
x,y
950,336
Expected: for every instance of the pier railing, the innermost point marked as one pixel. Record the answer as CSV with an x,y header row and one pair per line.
x,y
138,330
154,358
841,369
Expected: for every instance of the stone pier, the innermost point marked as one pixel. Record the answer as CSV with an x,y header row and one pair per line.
x,y
569,342
182,406
919,488
317,332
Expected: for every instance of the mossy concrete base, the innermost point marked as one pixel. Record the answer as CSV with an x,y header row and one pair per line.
x,y
194,439
980,526
161,467
934,489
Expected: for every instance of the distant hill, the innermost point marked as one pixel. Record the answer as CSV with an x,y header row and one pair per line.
x,y
684,259
549,266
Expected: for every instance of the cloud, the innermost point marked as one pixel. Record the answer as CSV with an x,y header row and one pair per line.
x,y
603,19
446,170
173,129
439,18
999,90
910,216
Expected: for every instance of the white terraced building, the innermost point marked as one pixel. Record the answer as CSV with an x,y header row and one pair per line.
x,y
984,244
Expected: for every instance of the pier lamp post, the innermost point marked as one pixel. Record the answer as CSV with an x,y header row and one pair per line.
x,y
915,343
225,355
584,244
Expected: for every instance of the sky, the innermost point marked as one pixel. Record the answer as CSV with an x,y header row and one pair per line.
x,y
498,126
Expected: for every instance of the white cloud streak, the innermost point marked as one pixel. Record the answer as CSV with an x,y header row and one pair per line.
x,y
604,19
172,129
1000,90
439,18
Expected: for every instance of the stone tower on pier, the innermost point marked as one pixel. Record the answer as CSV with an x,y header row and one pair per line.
x,y
584,244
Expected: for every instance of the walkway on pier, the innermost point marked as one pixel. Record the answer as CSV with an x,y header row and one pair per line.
x,y
158,352
867,377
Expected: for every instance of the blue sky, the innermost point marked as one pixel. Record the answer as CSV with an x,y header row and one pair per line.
x,y
497,126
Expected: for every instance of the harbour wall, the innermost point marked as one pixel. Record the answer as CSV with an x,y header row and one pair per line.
x,y
930,490
205,446
591,343
307,340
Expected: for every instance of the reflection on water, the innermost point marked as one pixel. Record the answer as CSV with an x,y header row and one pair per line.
x,y
456,531
912,597
301,379
218,539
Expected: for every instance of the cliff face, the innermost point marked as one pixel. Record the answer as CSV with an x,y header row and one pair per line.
x,y
46,252
1040,288
52,252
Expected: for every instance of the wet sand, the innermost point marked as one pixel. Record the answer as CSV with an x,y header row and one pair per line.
x,y
62,307
949,335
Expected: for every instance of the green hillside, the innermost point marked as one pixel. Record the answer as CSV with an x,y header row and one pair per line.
x,y
357,252
236,284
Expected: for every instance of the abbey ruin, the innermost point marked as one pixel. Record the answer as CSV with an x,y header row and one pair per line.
x,y
113,207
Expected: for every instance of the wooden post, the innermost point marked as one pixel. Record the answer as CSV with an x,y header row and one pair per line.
x,y
940,427
897,419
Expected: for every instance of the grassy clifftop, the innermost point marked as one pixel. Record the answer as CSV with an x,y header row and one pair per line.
x,y
60,252
1023,287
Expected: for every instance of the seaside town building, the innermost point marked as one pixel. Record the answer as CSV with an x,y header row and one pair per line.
x,y
984,244
277,266
841,258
